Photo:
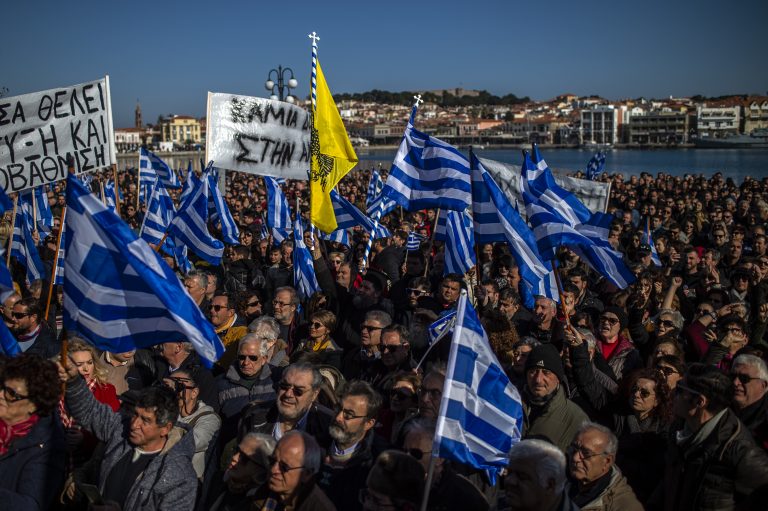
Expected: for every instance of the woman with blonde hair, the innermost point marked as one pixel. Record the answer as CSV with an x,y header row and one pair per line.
x,y
321,324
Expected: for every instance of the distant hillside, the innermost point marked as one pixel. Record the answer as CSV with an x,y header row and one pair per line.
x,y
406,98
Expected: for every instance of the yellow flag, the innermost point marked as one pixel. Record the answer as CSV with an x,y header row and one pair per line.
x,y
332,156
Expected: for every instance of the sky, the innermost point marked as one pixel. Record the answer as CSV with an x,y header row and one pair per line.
x,y
167,55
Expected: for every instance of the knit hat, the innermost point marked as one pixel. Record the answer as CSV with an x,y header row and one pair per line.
x,y
397,475
619,312
545,356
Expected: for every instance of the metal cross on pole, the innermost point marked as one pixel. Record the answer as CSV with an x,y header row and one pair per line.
x,y
418,100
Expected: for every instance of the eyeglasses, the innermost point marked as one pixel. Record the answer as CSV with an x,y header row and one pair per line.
x,y
584,453
667,370
316,324
667,323
20,315
216,307
401,394
371,328
252,358
297,391
415,291
417,453
701,312
391,348
644,393
244,456
281,465
743,378
11,395
254,304
347,414
606,319
278,303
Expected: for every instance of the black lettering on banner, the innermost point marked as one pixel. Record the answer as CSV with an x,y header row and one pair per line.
x,y
89,99
45,141
267,142
58,104
103,129
9,143
93,132
305,126
304,153
292,116
278,115
17,177
242,156
101,97
4,114
35,174
85,166
98,156
74,100
73,130
50,169
29,143
3,179
245,111
45,107
18,111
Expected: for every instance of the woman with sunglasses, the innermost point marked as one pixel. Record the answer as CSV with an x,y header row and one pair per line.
x,y
672,367
321,324
32,447
403,404
641,426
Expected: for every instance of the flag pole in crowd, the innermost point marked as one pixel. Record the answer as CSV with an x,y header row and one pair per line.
x,y
56,261
117,188
13,222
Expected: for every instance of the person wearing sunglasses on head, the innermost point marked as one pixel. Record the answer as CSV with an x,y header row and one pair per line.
x,y
32,446
33,334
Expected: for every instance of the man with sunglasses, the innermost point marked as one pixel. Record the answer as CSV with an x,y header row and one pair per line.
x,y
181,355
33,334
355,446
750,395
228,324
245,475
712,461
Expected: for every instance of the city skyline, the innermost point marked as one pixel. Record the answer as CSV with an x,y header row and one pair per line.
x,y
168,58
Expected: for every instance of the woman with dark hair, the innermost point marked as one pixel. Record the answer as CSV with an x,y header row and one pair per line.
x,y
32,446
641,427
672,367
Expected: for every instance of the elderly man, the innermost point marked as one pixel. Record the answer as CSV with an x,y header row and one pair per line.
x,y
396,356
535,479
245,475
146,465
694,477
196,284
292,328
181,355
249,379
600,486
360,362
295,408
544,325
292,470
548,412
750,391
354,447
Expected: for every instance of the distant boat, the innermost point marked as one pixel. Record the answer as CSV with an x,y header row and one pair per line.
x,y
758,139
594,146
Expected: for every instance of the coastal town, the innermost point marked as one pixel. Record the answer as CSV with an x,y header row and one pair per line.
x,y
463,117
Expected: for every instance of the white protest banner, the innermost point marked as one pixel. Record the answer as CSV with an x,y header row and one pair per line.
x,y
258,136
41,130
594,194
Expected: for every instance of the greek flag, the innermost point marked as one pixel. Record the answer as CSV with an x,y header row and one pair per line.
x,y
414,241
190,185
109,195
23,246
538,182
374,187
189,226
304,278
442,327
348,216
6,204
151,167
442,220
481,413
58,274
43,216
278,212
159,215
337,236
496,220
229,230
459,243
118,293
648,240
428,173
381,207
87,180
595,166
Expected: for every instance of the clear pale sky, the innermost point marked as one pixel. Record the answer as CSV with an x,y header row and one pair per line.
x,y
169,54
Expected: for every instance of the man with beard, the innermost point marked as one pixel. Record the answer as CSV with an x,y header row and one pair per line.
x,y
245,475
285,306
511,306
355,446
33,335
295,408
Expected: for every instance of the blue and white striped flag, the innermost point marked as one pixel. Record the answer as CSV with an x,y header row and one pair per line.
x,y
381,207
278,211
190,226
441,327
442,220
58,275
152,167
459,243
648,240
160,213
337,236
496,220
109,195
414,240
8,345
428,173
190,185
481,413
118,293
538,182
23,246
304,278
374,188
43,217
348,216
595,166
229,230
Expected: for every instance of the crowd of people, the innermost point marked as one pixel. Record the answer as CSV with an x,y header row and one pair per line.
x,y
651,397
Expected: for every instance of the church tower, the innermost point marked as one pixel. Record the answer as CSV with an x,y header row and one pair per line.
x,y
138,122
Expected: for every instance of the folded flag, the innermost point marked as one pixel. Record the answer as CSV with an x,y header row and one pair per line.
x,y
441,327
118,294
278,211
23,246
481,413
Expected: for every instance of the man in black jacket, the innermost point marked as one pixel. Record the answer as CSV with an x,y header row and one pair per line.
x,y
712,461
33,334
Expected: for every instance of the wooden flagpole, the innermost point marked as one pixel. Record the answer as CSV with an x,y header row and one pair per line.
x,y
117,189
13,227
55,262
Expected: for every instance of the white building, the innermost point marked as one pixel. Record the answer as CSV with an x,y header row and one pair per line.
x,y
600,125
718,121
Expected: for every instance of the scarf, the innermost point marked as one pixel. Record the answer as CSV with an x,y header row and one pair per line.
x,y
20,430
67,419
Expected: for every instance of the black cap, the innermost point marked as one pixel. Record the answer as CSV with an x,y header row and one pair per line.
x,y
379,280
545,356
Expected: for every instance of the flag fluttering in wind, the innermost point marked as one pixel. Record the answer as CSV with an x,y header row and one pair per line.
x,y
278,211
428,173
109,195
118,293
374,188
332,155
414,240
481,413
152,167
348,216
595,166
648,240
229,230
304,278
23,246
459,243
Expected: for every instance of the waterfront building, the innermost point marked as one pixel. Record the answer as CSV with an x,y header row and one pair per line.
x,y
663,126
181,130
600,124
755,114
718,120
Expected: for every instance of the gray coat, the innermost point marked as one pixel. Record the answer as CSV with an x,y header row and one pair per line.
x,y
169,481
